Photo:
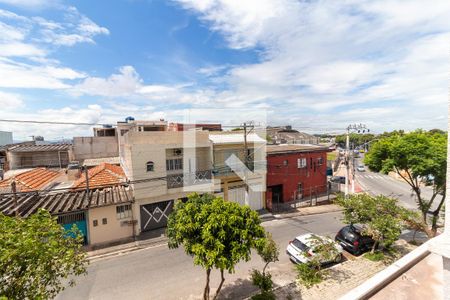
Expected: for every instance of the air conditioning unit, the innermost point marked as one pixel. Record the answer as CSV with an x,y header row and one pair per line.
x,y
177,152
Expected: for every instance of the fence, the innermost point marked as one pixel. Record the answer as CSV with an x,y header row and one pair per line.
x,y
316,195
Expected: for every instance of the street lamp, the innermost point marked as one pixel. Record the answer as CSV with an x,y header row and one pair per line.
x,y
351,128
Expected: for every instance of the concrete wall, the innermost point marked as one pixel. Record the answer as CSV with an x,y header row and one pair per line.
x,y
114,229
19,160
95,147
6,137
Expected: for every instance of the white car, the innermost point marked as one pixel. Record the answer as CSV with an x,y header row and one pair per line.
x,y
361,168
301,250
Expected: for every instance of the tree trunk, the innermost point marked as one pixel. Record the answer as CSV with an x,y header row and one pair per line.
x,y
264,269
374,246
220,285
206,290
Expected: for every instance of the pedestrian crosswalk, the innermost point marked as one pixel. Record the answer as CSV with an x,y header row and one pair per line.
x,y
374,176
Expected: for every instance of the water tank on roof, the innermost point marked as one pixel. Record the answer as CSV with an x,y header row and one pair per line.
x,y
129,119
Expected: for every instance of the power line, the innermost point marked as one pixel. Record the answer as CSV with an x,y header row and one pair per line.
x,y
52,122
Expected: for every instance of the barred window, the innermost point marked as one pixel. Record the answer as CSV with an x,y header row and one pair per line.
x,y
301,163
123,211
320,161
174,164
150,166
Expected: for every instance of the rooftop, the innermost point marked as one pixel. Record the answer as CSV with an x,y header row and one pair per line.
x,y
63,202
102,175
40,148
91,162
235,138
32,180
293,148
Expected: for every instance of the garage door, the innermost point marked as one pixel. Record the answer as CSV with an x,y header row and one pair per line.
x,y
237,194
155,215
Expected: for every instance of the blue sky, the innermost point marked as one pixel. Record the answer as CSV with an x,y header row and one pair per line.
x,y
318,65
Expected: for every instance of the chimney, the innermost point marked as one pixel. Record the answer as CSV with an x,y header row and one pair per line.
x,y
73,171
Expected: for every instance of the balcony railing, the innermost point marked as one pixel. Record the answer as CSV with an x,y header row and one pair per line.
x,y
180,180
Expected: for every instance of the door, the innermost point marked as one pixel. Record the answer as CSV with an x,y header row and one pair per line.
x,y
79,220
155,215
237,194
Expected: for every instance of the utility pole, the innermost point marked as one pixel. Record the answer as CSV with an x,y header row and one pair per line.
x,y
357,128
14,191
86,175
347,154
246,160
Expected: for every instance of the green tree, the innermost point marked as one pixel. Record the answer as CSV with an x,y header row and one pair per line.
x,y
381,217
419,158
269,253
216,233
325,250
37,255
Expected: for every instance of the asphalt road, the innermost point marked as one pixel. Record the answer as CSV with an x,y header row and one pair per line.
x,y
380,184
161,273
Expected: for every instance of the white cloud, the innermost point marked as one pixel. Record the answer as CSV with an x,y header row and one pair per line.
x,y
324,57
21,75
30,3
10,101
26,44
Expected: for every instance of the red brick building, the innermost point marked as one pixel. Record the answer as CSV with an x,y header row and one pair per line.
x,y
295,172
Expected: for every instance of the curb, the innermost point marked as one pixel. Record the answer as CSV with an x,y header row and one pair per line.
x,y
138,246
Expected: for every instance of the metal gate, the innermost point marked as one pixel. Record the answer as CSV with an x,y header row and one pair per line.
x,y
155,215
78,219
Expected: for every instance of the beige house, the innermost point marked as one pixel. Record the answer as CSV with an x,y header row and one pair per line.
x,y
164,166
232,173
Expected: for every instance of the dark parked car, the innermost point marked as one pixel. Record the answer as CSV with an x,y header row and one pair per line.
x,y
351,239
338,179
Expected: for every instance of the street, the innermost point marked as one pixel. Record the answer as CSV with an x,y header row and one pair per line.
x,y
378,183
161,273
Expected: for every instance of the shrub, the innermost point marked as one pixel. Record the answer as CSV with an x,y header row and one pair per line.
x,y
308,275
376,256
261,280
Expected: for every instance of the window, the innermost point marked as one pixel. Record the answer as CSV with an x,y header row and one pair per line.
x,y
123,131
95,223
320,161
301,163
174,164
150,166
300,187
310,163
104,221
123,211
285,162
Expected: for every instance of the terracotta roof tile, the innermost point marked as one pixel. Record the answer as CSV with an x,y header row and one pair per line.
x,y
102,175
32,180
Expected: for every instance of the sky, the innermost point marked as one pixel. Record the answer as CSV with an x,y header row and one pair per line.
x,y
316,65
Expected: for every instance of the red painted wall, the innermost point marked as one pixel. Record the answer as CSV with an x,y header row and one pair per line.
x,y
313,180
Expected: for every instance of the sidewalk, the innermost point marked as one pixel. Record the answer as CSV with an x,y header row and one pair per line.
x,y
309,210
126,248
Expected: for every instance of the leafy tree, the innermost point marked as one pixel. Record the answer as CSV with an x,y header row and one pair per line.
x,y
355,139
216,233
269,253
36,255
381,217
420,158
325,250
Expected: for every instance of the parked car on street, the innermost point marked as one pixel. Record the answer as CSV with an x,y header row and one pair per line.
x,y
361,168
301,249
338,179
351,239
